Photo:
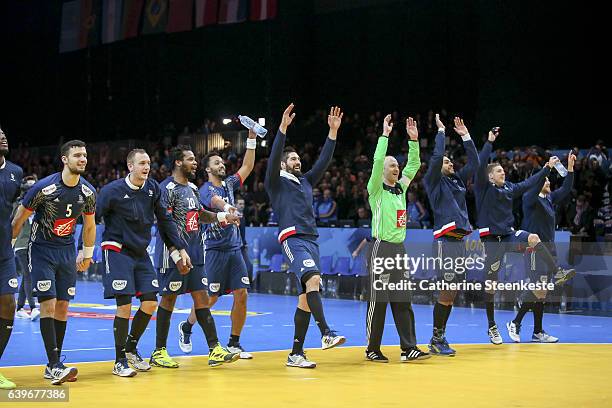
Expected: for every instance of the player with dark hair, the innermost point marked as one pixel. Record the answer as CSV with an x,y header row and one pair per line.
x,y
446,191
181,199
130,207
58,201
225,268
290,192
539,217
10,181
494,196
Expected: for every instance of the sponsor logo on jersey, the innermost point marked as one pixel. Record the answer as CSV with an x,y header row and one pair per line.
x,y
192,221
155,283
401,218
49,189
43,285
214,287
13,283
150,193
64,226
176,285
170,185
245,280
495,266
86,190
309,263
80,200
72,291
119,284
13,177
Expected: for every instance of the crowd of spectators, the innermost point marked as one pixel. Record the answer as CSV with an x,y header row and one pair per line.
x,y
341,195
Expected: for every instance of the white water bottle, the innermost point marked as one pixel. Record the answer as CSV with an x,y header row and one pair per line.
x,y
252,125
561,169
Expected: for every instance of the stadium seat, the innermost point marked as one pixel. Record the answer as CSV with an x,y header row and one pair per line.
x,y
326,265
276,263
342,266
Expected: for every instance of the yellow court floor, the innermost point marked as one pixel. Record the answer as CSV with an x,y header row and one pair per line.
x,y
511,375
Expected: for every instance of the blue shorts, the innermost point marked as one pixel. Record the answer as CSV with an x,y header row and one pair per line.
x,y
453,248
8,277
172,282
496,246
536,269
303,258
53,271
126,275
225,271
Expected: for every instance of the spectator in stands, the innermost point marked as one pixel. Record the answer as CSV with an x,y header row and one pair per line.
x,y
581,217
327,208
414,209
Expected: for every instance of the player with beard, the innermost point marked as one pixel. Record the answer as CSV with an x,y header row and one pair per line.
x,y
182,200
10,187
58,201
290,192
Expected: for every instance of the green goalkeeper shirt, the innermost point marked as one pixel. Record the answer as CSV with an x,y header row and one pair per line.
x,y
388,203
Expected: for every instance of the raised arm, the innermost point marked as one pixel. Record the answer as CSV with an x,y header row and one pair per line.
x,y
562,192
274,160
535,180
482,178
376,178
434,170
470,149
248,162
334,120
414,156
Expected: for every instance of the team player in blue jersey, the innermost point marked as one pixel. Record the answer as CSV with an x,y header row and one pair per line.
x,y
290,192
494,196
225,268
181,198
10,183
539,217
58,201
130,208
446,191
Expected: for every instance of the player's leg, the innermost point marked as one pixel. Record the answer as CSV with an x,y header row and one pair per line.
x,y
239,283
22,256
545,256
494,251
526,299
65,284
21,267
453,248
377,305
301,320
160,356
8,287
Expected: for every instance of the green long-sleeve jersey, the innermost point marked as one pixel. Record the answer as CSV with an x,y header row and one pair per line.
x,y
389,203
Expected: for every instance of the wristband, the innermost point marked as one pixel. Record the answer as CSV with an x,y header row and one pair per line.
x,y
88,252
175,256
221,216
466,137
442,130
13,240
227,207
251,144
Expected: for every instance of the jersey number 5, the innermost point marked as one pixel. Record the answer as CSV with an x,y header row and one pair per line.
x,y
68,210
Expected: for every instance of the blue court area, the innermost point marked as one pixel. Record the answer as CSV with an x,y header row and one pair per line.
x,y
269,326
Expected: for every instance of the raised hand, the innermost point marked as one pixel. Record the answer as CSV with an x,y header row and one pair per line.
x,y
439,123
571,159
460,127
253,135
552,161
334,119
387,126
411,128
287,118
184,263
233,218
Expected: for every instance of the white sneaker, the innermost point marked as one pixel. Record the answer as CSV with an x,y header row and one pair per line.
x,y
136,361
123,369
300,361
184,339
331,339
61,374
35,314
513,331
543,337
21,314
238,349
494,335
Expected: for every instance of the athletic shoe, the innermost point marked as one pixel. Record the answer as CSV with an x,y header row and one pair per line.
x,y
440,347
543,337
513,331
134,358
22,314
220,355
494,335
300,360
6,384
238,349
123,369
376,356
331,339
35,314
184,339
61,374
48,376
161,358
563,275
414,354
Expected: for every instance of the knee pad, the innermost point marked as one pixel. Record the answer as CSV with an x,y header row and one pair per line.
x,y
148,297
123,300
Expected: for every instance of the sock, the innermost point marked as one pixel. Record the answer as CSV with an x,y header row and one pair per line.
x,y
447,315
490,308
60,332
207,323
538,315
6,327
120,330
162,327
522,311
546,256
47,330
233,340
439,317
301,320
316,308
188,326
139,324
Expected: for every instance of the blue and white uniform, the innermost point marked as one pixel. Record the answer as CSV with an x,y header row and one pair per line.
x,y
10,182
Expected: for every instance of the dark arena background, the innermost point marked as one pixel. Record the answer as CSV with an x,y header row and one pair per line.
x,y
154,74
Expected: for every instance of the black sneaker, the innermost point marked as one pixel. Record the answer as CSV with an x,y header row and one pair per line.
x,y
563,275
414,354
376,356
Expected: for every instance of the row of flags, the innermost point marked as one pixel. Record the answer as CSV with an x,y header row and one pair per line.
x,y
92,22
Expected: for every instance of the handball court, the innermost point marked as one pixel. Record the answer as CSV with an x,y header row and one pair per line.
x,y
574,372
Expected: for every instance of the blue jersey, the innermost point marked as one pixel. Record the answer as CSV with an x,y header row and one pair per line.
x,y
10,182
183,205
217,236
57,208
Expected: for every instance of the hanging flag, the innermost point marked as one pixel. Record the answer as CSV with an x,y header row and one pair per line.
x,y
263,9
111,20
232,11
71,17
206,12
130,18
180,16
155,16
89,35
